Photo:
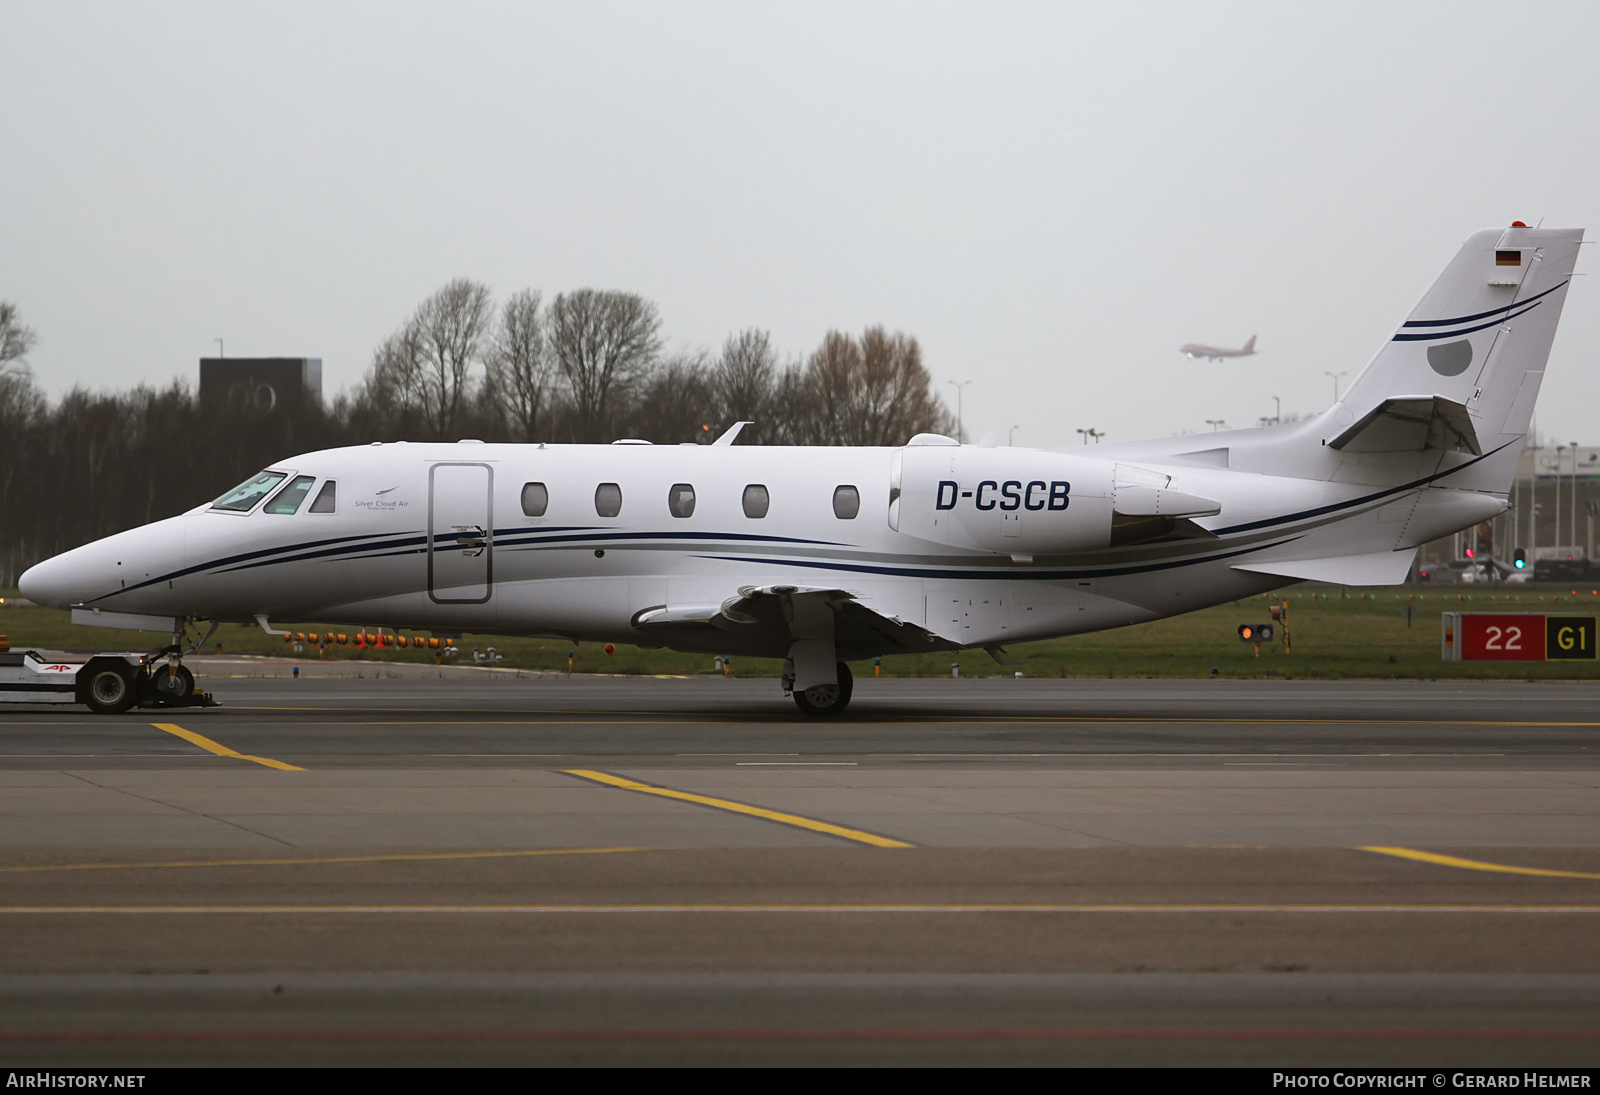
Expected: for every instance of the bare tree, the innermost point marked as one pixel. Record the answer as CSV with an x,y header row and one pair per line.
x,y
419,383
15,338
743,381
517,378
603,344
674,401
392,399
448,330
871,391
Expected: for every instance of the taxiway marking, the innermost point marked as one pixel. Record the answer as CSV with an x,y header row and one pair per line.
x,y
222,750
792,909
397,857
815,825
696,717
1473,864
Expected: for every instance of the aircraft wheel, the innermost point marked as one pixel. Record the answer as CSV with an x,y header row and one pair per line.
x,y
110,690
827,700
170,686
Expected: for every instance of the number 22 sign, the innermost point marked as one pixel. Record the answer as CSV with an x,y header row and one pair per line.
x,y
1478,637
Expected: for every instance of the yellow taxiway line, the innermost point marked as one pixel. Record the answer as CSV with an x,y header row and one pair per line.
x,y
1472,864
396,857
980,720
221,750
860,836
875,909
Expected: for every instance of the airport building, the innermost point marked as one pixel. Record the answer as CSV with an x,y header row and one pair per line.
x,y
262,385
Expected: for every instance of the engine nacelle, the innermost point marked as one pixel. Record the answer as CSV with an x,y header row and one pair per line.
x,y
1016,501
1027,502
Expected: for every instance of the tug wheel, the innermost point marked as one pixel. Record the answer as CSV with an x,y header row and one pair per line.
x,y
109,690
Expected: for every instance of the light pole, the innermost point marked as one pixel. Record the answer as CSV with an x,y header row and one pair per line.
x,y
1336,377
1574,539
220,354
1277,409
1097,435
1533,500
961,430
1216,424
1559,450
1085,435
1011,437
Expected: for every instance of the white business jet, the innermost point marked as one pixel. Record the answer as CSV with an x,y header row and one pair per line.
x,y
822,556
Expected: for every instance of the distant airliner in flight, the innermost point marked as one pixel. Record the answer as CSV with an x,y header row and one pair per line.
x,y
1217,353
823,556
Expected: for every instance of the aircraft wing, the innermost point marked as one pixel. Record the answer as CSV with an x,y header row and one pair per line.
x,y
1412,423
771,618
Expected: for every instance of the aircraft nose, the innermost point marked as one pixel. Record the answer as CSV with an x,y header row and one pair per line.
x,y
48,583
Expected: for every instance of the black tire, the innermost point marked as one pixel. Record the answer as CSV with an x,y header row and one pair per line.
x,y
170,687
109,690
827,700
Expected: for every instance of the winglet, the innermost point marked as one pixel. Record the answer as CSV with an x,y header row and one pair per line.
x,y
730,433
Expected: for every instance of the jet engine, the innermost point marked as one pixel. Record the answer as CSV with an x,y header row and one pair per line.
x,y
1027,502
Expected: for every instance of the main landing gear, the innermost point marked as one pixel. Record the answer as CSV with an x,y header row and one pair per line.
x,y
827,700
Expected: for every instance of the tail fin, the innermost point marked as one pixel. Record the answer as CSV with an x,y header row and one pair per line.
x,y
1250,347
1478,340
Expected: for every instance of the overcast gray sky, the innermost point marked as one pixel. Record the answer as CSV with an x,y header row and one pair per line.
x,y
1051,197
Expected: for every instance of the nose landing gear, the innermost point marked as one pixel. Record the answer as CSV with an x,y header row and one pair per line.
x,y
110,684
172,683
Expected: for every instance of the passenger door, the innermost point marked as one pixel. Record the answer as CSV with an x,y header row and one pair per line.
x,y
460,533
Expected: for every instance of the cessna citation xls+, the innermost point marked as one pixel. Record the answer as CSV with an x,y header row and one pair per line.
x,y
826,555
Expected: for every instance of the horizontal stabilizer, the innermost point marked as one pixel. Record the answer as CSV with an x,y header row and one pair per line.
x,y
1412,423
1378,568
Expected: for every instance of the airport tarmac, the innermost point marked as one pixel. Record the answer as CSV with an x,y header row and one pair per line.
x,y
418,865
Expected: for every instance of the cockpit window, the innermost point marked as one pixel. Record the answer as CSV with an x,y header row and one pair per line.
x,y
289,498
243,498
327,498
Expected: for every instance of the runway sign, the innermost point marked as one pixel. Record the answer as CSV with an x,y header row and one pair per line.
x,y
1525,637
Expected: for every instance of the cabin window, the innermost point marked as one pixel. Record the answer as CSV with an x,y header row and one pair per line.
x,y
536,499
846,502
288,499
608,499
756,500
327,498
243,498
680,500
